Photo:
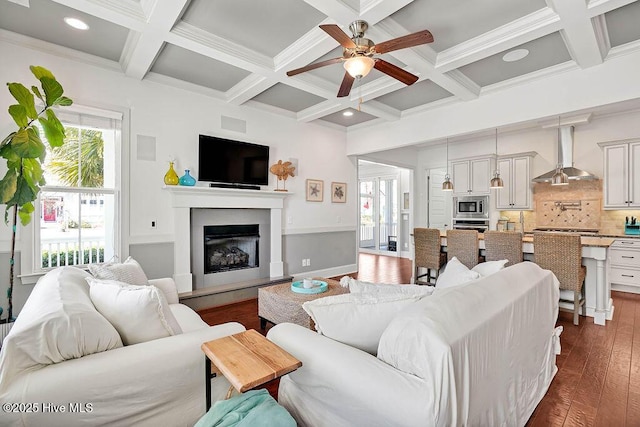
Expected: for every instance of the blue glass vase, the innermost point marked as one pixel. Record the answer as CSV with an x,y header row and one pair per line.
x,y
187,179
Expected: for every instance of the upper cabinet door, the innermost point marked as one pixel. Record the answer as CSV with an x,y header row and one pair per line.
x,y
521,183
634,174
480,176
616,176
503,195
460,178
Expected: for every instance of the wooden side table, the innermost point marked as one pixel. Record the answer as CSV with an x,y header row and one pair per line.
x,y
247,360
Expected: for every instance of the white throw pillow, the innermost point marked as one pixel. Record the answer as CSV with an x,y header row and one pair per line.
x,y
357,319
455,273
58,322
128,272
139,313
358,286
487,268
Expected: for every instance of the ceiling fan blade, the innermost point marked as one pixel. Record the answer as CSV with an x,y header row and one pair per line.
x,y
345,87
415,39
395,72
340,36
314,66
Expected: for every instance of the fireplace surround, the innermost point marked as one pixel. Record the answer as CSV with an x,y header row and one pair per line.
x,y
183,199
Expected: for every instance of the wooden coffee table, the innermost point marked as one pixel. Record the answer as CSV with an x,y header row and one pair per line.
x,y
247,360
279,304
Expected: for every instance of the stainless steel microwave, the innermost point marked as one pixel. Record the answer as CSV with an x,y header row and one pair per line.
x,y
471,207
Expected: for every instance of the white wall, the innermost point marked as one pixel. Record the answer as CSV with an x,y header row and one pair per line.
x,y
175,117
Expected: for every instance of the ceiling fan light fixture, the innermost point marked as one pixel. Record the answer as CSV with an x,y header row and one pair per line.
x,y
359,66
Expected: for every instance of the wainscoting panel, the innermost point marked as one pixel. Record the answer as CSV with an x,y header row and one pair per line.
x,y
326,251
156,259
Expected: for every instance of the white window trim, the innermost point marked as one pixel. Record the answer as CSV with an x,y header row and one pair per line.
x,y
29,269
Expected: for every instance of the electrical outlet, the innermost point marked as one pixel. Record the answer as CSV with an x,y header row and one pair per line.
x,y
304,262
308,262
153,223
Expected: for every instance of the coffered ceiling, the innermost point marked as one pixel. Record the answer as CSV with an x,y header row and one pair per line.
x,y
239,50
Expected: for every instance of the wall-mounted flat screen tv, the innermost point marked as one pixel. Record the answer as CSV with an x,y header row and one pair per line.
x,y
234,162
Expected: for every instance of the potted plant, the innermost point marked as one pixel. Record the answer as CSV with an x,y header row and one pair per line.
x,y
24,152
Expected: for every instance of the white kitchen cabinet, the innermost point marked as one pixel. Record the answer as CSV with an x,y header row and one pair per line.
x,y
516,175
624,264
471,176
621,174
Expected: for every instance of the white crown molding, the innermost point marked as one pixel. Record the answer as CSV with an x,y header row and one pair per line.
x,y
381,110
622,50
578,32
271,109
527,78
59,51
24,3
375,11
197,40
252,85
320,110
181,84
600,7
540,23
129,48
337,10
306,49
602,35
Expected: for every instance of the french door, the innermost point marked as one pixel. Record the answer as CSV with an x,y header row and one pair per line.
x,y
378,214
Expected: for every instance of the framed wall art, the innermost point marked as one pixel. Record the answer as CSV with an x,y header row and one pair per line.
x,y
315,189
338,192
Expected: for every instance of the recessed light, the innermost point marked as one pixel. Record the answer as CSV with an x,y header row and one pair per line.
x,y
76,23
515,55
348,113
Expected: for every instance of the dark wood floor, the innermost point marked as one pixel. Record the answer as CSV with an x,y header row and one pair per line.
x,y
598,379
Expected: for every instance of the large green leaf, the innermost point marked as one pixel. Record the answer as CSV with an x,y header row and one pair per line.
x,y
30,148
35,90
8,186
53,129
41,72
19,114
52,90
25,212
24,193
32,172
63,101
24,98
7,140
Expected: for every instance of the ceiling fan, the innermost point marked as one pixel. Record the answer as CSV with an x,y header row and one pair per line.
x,y
358,54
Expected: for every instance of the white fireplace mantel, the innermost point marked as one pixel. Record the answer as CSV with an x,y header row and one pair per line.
x,y
183,199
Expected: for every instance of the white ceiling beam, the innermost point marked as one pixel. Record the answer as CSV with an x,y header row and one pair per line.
x,y
142,52
374,11
578,32
537,24
305,50
247,88
320,110
335,9
381,110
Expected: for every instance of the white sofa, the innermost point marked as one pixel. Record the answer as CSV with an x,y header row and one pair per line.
x,y
158,382
478,354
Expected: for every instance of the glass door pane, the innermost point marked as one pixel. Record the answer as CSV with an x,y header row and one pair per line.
x,y
388,215
367,216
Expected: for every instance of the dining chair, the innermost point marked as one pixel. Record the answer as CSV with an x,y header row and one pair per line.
x,y
562,254
427,254
463,244
499,245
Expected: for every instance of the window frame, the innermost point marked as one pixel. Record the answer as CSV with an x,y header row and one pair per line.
x,y
29,236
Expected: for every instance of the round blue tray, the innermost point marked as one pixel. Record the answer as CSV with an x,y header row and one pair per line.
x,y
318,287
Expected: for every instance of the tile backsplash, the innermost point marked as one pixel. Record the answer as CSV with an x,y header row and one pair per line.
x,y
548,211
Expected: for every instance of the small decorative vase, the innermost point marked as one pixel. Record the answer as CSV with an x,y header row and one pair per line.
x,y
171,177
187,179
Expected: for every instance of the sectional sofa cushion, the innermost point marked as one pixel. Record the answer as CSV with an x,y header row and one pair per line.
x,y
455,273
357,319
358,286
139,313
58,322
488,268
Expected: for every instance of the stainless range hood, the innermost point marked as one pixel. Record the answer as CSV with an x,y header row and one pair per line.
x,y
565,158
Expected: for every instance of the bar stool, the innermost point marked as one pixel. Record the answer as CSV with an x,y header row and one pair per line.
x,y
562,254
427,254
463,244
499,245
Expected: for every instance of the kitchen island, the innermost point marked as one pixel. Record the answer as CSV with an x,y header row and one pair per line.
x,y
598,301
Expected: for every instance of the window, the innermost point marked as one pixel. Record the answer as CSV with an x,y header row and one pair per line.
x,y
79,207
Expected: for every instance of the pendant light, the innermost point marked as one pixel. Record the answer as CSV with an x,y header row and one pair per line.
x,y
559,178
447,185
496,181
